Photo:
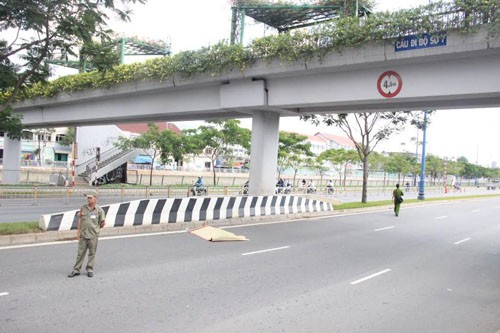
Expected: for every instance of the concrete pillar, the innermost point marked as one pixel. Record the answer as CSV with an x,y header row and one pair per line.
x,y
11,161
264,153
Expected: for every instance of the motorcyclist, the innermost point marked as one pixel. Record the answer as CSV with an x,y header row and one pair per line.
x,y
198,187
288,187
199,182
329,187
245,188
279,186
311,188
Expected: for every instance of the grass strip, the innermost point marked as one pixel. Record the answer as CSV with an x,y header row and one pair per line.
x,y
13,228
355,205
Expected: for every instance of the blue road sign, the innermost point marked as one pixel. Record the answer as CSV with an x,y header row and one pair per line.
x,y
422,41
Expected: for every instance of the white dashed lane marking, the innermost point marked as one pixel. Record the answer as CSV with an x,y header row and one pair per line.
x,y
267,250
441,217
461,241
386,228
370,276
3,294
475,211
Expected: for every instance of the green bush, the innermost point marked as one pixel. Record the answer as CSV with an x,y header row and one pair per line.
x,y
462,15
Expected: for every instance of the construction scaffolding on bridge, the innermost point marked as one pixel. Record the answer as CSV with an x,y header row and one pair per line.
x,y
285,16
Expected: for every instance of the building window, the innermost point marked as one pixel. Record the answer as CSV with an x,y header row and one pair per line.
x,y
44,137
60,137
60,157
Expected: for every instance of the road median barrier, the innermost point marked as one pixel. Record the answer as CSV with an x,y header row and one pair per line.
x,y
160,211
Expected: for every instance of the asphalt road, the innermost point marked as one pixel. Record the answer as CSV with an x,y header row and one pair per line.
x,y
29,210
435,268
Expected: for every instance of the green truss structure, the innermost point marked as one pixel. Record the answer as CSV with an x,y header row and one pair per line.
x,y
287,16
126,47
136,47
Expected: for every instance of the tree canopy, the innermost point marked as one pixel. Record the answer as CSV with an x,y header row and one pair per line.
x,y
218,138
43,30
338,34
367,130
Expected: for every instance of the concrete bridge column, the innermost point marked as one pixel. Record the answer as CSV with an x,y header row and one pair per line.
x,y
11,161
264,152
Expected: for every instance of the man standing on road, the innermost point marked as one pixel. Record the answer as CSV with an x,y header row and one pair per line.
x,y
397,198
91,219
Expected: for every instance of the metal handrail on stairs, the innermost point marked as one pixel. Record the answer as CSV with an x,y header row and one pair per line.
x,y
107,158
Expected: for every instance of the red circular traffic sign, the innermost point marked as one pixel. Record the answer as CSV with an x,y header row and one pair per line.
x,y
389,84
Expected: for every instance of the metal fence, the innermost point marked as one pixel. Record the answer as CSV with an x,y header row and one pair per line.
x,y
46,176
33,194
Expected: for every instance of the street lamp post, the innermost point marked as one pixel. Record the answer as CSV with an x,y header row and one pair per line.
x,y
421,185
445,175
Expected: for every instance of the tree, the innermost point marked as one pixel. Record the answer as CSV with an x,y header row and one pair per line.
x,y
98,56
400,163
44,30
340,158
219,138
434,166
317,165
293,149
172,146
366,130
69,137
151,141
42,136
378,162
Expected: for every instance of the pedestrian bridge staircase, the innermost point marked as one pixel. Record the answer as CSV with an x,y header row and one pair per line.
x,y
110,160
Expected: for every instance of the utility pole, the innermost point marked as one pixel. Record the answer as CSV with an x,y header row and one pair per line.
x,y
421,186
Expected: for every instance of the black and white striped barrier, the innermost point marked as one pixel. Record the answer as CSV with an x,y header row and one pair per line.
x,y
160,211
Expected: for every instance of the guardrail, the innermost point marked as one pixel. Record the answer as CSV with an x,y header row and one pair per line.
x,y
35,193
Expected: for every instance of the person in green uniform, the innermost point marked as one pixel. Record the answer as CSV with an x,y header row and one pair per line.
x,y
397,198
91,219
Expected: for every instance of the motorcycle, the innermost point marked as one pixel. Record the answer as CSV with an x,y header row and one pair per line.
x,y
244,189
198,191
311,190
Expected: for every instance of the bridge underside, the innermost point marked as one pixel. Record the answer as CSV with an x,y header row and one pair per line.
x,y
462,74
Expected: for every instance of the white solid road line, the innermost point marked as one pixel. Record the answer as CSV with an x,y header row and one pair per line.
x,y
3,294
440,217
149,234
268,250
386,228
461,241
371,276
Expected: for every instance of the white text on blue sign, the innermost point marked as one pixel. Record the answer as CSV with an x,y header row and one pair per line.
x,y
423,41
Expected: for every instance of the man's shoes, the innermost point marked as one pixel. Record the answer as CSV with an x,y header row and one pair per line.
x,y
73,274
90,274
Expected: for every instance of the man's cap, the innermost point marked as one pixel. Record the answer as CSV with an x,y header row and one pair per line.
x,y
91,194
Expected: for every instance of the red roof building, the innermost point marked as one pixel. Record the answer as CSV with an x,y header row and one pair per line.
x,y
141,128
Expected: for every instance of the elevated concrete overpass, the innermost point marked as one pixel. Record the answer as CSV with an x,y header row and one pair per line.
x,y
463,72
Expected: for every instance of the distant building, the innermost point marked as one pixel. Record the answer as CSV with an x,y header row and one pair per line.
x,y
141,128
318,144
42,147
336,141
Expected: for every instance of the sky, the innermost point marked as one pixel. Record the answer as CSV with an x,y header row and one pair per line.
x,y
192,24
